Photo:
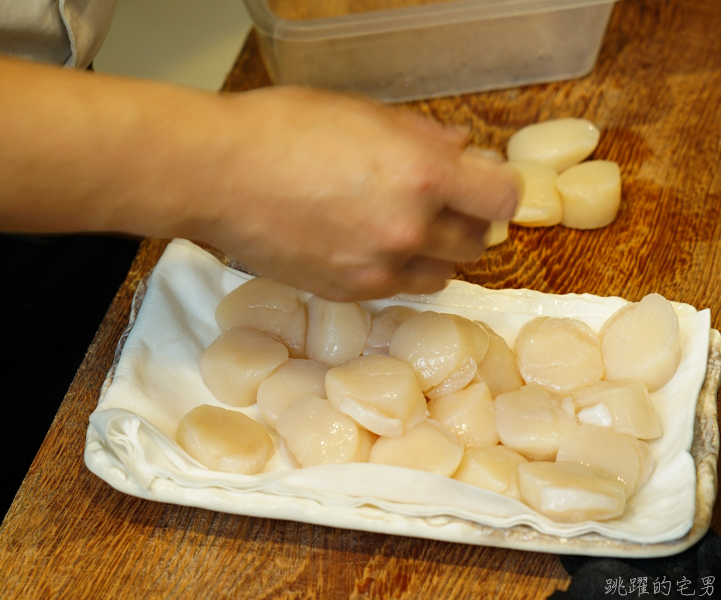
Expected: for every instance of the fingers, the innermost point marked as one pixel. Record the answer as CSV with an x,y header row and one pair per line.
x,y
419,275
424,275
480,183
456,237
483,187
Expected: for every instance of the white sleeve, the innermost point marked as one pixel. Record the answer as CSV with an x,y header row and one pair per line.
x,y
87,23
63,32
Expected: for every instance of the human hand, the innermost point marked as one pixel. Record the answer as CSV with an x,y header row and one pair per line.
x,y
341,196
345,197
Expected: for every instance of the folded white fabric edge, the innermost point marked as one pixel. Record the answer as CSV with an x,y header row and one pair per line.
x,y
131,438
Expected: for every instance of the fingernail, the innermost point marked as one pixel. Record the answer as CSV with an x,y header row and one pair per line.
x,y
487,153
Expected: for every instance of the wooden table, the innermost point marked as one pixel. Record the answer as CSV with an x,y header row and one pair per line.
x,y
656,96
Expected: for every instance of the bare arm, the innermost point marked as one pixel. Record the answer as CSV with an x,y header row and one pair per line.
x,y
334,194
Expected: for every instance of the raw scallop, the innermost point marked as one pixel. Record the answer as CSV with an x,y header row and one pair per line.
x,y
540,204
384,325
496,234
493,468
474,337
606,450
642,341
625,406
557,143
532,422
379,392
559,354
236,363
337,331
498,368
268,306
427,447
318,435
460,378
292,380
591,194
469,414
647,463
224,440
571,493
435,345
476,341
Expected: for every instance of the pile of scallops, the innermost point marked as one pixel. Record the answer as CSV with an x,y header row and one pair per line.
x,y
559,422
560,185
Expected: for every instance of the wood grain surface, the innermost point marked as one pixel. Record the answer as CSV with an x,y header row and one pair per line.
x,y
656,96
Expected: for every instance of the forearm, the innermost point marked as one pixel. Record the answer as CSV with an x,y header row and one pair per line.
x,y
86,152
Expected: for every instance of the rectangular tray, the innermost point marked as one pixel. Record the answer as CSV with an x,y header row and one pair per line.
x,y
135,406
437,49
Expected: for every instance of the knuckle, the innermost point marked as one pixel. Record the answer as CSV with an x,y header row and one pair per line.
x,y
375,277
406,235
398,233
420,179
376,281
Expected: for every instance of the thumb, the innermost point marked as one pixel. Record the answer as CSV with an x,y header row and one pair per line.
x,y
483,187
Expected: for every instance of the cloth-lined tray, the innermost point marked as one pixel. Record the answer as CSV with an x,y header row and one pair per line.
x,y
156,380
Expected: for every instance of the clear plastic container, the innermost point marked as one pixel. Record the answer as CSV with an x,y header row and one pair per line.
x,y
426,48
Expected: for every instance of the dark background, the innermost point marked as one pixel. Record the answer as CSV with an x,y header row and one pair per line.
x,y
55,292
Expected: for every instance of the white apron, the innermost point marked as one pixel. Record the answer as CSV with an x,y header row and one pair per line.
x,y
63,32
